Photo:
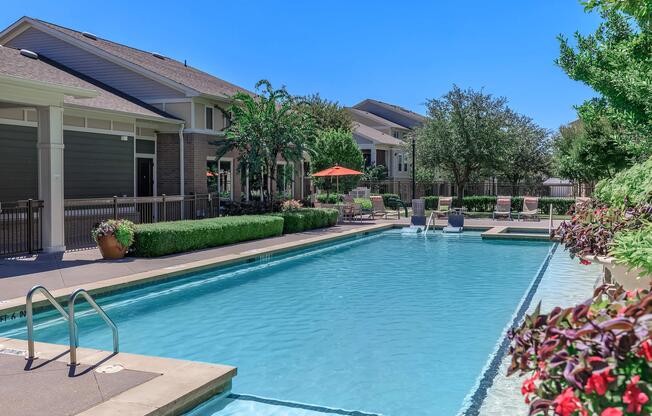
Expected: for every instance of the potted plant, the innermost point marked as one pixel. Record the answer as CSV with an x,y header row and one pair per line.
x,y
114,237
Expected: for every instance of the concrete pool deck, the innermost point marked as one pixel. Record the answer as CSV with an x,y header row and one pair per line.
x,y
144,385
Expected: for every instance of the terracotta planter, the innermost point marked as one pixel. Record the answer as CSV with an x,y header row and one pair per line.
x,y
110,248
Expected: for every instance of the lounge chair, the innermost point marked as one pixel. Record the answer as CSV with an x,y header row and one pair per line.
x,y
348,199
378,208
443,206
352,212
530,208
503,207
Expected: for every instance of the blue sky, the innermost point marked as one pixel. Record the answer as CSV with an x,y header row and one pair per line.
x,y
401,52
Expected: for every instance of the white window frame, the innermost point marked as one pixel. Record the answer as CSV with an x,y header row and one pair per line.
x,y
212,118
224,159
145,156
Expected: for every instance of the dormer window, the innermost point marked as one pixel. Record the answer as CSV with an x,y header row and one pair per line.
x,y
397,134
209,118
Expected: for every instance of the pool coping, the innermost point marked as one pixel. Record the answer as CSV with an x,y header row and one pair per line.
x,y
15,308
180,385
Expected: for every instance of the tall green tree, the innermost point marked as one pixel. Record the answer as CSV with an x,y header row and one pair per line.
x,y
585,151
327,115
336,147
265,128
615,62
527,150
465,133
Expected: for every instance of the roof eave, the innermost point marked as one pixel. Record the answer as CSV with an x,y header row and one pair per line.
x,y
76,92
125,114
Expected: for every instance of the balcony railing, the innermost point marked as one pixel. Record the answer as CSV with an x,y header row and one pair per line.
x,y
21,229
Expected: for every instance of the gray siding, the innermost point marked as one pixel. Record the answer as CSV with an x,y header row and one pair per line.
x,y
92,65
18,163
97,165
361,140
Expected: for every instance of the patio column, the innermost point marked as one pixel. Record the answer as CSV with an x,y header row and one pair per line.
x,y
373,154
50,176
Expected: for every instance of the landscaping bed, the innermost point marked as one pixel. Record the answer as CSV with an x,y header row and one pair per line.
x,y
307,219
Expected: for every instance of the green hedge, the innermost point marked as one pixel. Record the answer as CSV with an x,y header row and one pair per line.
x,y
163,238
628,187
307,219
387,200
560,206
329,199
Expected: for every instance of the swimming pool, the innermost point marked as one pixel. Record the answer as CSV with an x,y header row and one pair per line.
x,y
379,324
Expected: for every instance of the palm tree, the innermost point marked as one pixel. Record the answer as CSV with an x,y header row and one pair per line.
x,y
265,127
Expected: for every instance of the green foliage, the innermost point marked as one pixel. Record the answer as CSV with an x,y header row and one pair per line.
x,y
390,200
586,151
465,133
336,147
615,62
487,203
629,187
365,203
326,115
634,248
307,219
152,240
526,154
375,172
265,128
122,230
329,198
641,10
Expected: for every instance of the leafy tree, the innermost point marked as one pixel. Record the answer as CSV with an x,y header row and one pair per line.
x,y
526,153
375,173
615,62
326,114
465,133
336,147
265,128
587,152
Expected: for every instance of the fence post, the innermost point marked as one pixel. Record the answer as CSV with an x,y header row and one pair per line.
x,y
165,216
194,208
115,207
30,231
210,206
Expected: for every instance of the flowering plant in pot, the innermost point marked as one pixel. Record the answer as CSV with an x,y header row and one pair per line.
x,y
114,237
591,359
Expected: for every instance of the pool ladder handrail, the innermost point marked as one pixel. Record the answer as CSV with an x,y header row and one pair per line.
x,y
72,328
428,224
29,314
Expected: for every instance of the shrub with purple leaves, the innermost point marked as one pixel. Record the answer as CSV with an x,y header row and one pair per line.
x,y
591,359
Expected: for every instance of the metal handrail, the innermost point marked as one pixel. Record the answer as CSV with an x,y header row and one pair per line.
x,y
29,312
73,328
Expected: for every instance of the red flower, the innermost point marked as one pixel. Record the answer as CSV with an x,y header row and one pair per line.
x,y
566,403
611,411
529,386
634,398
646,350
585,262
599,382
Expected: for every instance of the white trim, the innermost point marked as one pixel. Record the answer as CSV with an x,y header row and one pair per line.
x,y
76,92
154,177
10,122
99,131
204,131
231,160
168,100
206,108
151,139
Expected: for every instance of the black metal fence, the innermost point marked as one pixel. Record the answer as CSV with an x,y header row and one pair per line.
x,y
403,188
21,228
81,215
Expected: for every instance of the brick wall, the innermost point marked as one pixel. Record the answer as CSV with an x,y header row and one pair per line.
x,y
167,164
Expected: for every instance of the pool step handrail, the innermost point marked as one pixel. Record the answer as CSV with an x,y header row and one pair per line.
x,y
29,314
72,328
428,223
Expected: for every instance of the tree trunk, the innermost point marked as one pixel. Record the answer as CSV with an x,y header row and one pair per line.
x,y
460,190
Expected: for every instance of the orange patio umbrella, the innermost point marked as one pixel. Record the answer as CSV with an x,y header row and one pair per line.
x,y
337,171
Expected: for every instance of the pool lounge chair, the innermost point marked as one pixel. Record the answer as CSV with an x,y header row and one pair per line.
x,y
443,206
503,207
378,209
530,208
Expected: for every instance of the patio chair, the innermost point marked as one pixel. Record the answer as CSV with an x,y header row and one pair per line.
x,y
530,208
443,206
503,207
352,212
378,208
348,199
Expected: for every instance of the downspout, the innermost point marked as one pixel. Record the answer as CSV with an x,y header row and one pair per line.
x,y
181,164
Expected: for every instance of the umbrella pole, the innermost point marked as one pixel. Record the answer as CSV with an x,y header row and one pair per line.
x,y
338,184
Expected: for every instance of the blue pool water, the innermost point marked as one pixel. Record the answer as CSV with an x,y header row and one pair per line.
x,y
383,324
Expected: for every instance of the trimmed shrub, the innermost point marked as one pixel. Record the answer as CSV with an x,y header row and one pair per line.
x,y
365,203
387,200
432,202
560,206
163,238
307,219
329,199
487,203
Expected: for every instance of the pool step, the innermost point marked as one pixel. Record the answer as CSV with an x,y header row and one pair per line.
x,y
506,232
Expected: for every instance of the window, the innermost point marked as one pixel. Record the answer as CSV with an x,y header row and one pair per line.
x,y
400,163
366,154
396,134
220,179
209,118
405,163
226,122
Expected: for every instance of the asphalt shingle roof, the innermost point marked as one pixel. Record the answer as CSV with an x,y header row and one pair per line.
x,y
169,68
13,63
375,118
375,135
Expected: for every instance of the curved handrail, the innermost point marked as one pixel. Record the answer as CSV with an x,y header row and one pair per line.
x,y
29,313
73,327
